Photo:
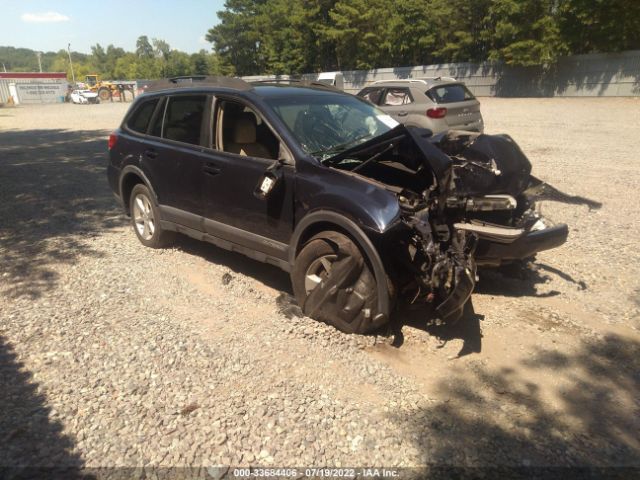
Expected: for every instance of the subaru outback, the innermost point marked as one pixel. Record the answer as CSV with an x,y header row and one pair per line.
x,y
363,212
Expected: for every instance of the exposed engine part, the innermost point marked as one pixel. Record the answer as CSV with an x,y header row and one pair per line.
x,y
411,201
488,203
494,232
444,267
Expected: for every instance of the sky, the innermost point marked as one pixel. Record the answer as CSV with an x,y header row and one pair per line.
x,y
51,25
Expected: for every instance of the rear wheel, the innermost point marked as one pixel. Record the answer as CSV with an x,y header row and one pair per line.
x,y
333,283
104,94
146,220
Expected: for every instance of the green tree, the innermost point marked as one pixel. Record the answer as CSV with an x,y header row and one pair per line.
x,y
98,59
178,64
456,33
144,49
161,49
126,67
319,49
360,31
523,32
199,63
593,26
284,43
238,38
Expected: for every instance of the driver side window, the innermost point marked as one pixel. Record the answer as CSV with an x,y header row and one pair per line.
x,y
240,130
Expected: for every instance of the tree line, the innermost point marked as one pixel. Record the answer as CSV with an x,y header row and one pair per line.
x,y
297,36
152,59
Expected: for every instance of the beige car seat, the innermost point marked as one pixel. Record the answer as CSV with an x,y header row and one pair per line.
x,y
244,138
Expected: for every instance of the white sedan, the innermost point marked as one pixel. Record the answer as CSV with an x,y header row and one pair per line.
x,y
84,96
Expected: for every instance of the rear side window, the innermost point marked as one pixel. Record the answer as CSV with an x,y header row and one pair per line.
x,y
450,94
139,121
183,118
372,94
397,96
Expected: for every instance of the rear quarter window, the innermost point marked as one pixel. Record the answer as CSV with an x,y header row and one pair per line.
x,y
183,118
449,94
139,120
372,94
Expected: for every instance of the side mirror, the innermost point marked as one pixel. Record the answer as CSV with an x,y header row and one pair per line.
x,y
270,181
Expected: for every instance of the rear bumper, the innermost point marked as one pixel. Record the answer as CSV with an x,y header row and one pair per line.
x,y
473,126
492,253
113,175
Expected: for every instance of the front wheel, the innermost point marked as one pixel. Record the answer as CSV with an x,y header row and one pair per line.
x,y
333,283
146,220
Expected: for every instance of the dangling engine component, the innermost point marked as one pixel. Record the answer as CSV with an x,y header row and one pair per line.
x,y
442,259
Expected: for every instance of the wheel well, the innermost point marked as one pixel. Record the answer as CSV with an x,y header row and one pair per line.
x,y
317,228
328,226
128,182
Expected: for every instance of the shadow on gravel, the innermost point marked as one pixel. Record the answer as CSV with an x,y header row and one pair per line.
x,y
267,274
467,328
54,197
587,416
33,445
521,280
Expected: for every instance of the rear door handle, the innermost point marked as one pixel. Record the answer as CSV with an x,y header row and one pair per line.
x,y
151,153
210,169
403,114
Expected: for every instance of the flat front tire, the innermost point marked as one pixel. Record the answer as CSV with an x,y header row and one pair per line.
x,y
351,305
145,219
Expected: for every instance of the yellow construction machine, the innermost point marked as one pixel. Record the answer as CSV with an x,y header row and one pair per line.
x,y
106,88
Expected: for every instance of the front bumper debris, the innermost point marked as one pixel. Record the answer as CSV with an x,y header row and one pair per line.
x,y
493,253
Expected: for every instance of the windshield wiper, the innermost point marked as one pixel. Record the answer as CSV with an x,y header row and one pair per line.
x,y
373,159
341,147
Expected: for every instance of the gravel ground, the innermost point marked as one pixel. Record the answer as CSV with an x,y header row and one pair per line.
x,y
112,354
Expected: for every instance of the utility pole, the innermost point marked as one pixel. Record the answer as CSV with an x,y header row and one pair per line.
x,y
39,54
71,63
4,68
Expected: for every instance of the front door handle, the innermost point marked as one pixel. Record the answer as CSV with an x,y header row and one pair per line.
x,y
210,169
403,114
151,153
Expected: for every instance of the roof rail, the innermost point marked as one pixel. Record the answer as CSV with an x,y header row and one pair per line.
x,y
425,80
197,81
293,80
403,80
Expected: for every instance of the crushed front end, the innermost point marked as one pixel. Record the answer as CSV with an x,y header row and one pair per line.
x,y
466,199
492,189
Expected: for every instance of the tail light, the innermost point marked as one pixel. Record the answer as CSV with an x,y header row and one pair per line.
x,y
113,138
439,112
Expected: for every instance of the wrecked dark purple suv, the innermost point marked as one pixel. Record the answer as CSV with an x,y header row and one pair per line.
x,y
363,212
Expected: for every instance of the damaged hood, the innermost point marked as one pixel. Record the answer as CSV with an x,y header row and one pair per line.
x,y
433,158
464,163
